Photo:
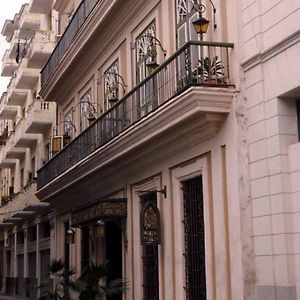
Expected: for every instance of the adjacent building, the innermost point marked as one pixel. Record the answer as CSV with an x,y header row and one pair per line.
x,y
27,122
171,153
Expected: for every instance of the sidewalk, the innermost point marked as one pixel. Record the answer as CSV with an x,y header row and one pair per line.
x,y
11,298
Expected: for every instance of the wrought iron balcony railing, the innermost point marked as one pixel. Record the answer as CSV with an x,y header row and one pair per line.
x,y
194,64
79,17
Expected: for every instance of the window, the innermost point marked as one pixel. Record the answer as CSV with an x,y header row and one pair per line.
x,y
32,168
142,43
185,15
146,95
86,109
22,178
194,239
111,88
150,261
68,124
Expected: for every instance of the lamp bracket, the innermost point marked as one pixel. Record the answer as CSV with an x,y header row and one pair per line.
x,y
200,8
162,191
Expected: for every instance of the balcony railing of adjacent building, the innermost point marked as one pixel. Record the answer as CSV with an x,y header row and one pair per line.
x,y
195,64
82,12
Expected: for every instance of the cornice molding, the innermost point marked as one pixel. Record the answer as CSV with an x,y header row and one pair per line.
x,y
199,110
269,53
93,38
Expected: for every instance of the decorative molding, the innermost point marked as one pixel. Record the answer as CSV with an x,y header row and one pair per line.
x,y
89,54
269,53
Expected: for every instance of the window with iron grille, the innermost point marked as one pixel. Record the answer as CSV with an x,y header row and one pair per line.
x,y
146,96
150,261
185,15
142,44
194,239
85,109
111,88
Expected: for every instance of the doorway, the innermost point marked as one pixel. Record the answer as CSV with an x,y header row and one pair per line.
x,y
113,250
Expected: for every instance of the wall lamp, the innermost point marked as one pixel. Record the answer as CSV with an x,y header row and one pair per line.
x,y
201,24
92,111
162,191
152,53
66,135
70,237
100,229
113,89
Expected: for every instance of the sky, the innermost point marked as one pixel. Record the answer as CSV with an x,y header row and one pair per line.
x,y
8,8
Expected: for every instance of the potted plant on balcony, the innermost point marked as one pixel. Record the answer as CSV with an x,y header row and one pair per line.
x,y
209,70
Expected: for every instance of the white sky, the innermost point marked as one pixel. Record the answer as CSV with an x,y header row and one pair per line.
x,y
8,8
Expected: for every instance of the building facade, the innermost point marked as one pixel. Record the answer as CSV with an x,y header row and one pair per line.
x,y
171,153
27,122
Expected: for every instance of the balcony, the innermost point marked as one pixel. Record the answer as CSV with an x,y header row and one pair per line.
x,y
3,133
40,116
6,163
28,21
7,112
27,78
23,139
12,51
181,89
40,49
66,40
9,65
40,6
8,29
15,96
13,152
19,203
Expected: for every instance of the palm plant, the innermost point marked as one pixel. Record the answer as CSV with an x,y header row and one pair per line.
x,y
210,69
61,276
91,285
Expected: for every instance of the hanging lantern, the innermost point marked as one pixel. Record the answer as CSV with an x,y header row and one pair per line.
x,y
70,236
100,229
201,25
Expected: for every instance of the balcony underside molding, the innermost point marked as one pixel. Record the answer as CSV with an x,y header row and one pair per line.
x,y
195,115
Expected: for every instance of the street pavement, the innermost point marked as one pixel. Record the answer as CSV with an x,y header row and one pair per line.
x,y
11,298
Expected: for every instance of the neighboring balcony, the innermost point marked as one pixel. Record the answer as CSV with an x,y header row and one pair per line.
x,y
16,96
193,87
23,139
40,116
28,22
7,112
26,78
8,29
81,14
9,65
40,6
40,49
11,151
15,40
24,204
6,163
